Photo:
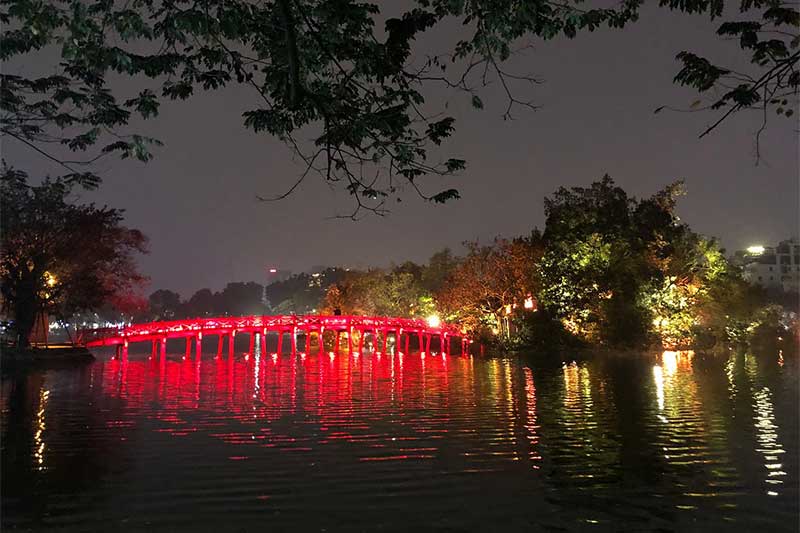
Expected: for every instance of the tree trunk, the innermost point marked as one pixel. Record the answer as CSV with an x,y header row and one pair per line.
x,y
25,308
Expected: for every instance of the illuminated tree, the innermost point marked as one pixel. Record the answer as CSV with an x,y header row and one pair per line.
x,y
622,271
490,282
328,71
61,258
396,292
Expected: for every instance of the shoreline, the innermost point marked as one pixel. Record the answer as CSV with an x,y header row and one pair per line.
x,y
12,357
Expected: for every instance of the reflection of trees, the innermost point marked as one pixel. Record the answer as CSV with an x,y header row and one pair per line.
x,y
690,432
583,447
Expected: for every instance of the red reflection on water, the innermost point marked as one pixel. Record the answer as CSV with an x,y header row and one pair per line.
x,y
340,395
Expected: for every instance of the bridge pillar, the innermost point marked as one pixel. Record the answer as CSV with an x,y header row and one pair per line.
x,y
188,347
360,342
427,343
163,348
280,342
198,346
231,341
220,341
252,342
419,340
308,341
264,343
349,341
408,343
445,341
154,348
321,335
338,341
385,335
294,340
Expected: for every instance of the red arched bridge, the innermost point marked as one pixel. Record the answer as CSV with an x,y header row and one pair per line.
x,y
354,329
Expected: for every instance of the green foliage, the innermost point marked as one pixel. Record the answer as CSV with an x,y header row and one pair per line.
x,y
621,271
326,70
376,292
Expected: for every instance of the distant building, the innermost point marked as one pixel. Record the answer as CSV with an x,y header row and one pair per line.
x,y
772,267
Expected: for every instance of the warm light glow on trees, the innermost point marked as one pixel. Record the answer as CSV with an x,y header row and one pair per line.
x,y
618,270
489,280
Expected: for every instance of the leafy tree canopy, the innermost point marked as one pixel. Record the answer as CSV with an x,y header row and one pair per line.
x,y
329,71
61,258
617,270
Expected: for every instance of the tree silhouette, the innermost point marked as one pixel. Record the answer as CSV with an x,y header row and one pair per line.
x,y
61,258
324,70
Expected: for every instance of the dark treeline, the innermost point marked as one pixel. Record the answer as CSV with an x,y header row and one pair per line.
x,y
299,294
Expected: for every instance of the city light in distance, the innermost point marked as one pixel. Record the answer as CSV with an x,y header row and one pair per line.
x,y
756,249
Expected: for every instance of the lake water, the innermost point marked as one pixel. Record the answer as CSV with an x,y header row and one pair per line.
x,y
662,442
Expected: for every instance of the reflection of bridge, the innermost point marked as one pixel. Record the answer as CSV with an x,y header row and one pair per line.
x,y
258,327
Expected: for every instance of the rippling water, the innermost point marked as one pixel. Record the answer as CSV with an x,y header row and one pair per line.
x,y
669,442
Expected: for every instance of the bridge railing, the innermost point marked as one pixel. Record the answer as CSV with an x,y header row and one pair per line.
x,y
218,325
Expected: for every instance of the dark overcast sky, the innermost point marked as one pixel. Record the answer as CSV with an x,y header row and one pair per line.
x,y
196,200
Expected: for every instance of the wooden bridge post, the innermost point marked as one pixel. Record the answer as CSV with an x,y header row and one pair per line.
x,y
231,342
427,343
280,342
321,335
252,347
408,343
294,340
154,349
445,342
220,340
198,350
163,348
264,343
308,341
385,335
188,347
419,340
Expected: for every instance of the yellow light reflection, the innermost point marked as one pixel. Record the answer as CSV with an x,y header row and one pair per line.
x,y
658,376
38,437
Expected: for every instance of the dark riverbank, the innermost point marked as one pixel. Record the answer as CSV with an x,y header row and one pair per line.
x,y
12,358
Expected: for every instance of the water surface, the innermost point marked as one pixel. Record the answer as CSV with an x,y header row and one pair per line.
x,y
663,442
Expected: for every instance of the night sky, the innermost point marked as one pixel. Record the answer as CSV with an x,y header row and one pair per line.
x,y
197,199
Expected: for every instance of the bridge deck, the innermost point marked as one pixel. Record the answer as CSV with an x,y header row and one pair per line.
x,y
199,327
